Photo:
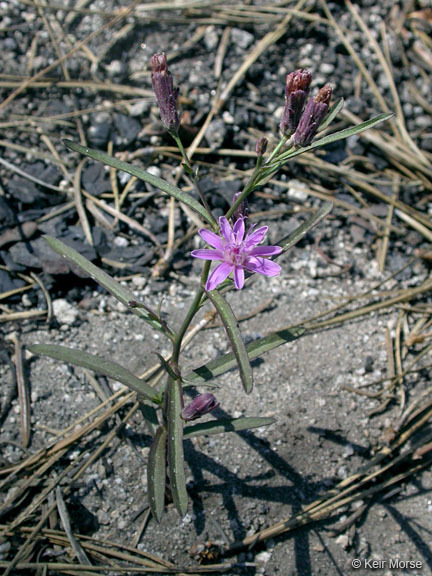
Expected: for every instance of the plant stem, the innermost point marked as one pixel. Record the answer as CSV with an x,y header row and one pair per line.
x,y
192,174
260,172
190,314
274,152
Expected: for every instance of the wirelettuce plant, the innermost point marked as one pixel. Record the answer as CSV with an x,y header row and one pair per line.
x,y
238,249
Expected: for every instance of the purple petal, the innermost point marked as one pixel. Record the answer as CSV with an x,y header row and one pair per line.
x,y
238,277
256,237
211,238
218,275
225,228
262,266
265,250
207,254
239,230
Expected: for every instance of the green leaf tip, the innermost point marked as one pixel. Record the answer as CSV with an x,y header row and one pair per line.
x,y
223,425
235,338
119,292
97,364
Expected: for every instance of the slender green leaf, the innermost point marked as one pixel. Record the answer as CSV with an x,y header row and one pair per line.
x,y
175,447
226,425
292,152
159,183
340,135
234,336
295,236
332,113
100,365
106,281
254,349
156,473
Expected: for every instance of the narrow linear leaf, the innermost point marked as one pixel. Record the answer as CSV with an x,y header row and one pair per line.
x,y
100,365
156,473
142,175
226,425
254,349
234,335
330,138
175,447
105,280
333,112
352,130
295,236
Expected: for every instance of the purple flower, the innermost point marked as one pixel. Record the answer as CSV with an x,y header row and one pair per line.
x,y
163,88
314,113
202,404
237,253
296,91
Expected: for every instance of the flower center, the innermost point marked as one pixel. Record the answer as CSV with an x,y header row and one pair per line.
x,y
234,254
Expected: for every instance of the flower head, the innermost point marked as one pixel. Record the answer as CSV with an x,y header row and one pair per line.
x,y
163,88
237,253
296,91
314,113
202,404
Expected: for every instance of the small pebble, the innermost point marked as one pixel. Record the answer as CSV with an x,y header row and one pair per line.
x,y
65,312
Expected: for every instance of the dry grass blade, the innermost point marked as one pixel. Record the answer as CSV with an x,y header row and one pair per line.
x,y
64,517
14,291
370,481
23,390
90,85
24,174
400,120
31,152
126,219
27,315
386,236
413,223
83,570
46,295
29,82
344,37
260,47
110,437
395,151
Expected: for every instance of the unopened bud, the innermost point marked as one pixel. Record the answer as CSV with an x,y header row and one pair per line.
x,y
296,91
202,404
324,95
242,210
314,113
163,88
261,146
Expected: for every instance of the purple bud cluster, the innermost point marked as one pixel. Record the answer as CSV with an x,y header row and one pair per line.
x,y
314,113
296,91
298,118
163,88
